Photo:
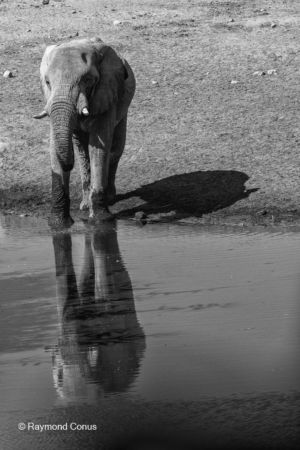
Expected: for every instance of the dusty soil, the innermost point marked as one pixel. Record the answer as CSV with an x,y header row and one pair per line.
x,y
209,140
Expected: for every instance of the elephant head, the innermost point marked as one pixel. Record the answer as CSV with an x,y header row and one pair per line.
x,y
82,80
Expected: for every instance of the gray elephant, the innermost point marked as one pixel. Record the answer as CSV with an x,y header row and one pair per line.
x,y
88,88
101,340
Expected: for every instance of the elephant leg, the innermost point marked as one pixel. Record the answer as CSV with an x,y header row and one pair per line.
x,y
99,151
60,210
102,272
81,145
67,292
87,279
116,152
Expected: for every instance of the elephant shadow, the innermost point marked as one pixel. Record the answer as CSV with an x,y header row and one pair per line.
x,y
101,342
194,193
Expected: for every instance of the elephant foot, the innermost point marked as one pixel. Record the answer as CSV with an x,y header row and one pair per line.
x,y
58,222
100,216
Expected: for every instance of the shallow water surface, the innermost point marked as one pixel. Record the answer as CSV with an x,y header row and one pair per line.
x,y
160,313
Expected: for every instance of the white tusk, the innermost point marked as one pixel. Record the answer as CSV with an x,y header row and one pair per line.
x,y
41,115
85,111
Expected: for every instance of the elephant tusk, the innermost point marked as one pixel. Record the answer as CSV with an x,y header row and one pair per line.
x,y
85,111
41,115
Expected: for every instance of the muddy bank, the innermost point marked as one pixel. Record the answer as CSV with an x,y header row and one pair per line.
x,y
156,203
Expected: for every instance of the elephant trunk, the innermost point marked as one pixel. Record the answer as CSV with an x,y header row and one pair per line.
x,y
63,122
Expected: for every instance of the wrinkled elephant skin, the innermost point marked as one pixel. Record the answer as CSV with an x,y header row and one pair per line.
x,y
88,89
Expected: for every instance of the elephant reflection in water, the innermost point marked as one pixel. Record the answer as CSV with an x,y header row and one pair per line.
x,y
101,341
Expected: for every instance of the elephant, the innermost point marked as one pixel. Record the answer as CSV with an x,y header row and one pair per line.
x,y
88,88
101,342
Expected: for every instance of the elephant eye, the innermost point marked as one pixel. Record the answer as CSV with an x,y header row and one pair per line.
x,y
48,83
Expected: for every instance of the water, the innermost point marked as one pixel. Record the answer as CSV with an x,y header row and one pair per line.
x,y
152,314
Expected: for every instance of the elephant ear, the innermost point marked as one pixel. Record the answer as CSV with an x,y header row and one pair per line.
x,y
46,90
112,76
43,69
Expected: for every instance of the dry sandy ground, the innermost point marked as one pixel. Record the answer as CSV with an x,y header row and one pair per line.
x,y
209,141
